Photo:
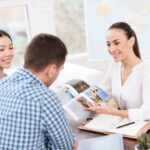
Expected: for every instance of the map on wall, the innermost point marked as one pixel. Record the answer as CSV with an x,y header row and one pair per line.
x,y
100,14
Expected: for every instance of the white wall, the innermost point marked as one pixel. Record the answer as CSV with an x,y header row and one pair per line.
x,y
79,67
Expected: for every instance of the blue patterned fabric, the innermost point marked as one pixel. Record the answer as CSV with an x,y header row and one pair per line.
x,y
31,117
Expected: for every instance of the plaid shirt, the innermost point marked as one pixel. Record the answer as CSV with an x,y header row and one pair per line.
x,y
31,117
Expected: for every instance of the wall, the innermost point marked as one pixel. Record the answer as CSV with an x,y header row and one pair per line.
x,y
79,67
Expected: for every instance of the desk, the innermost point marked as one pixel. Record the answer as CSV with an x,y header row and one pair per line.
x,y
81,134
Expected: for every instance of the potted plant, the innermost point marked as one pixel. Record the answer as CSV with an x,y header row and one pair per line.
x,y
143,142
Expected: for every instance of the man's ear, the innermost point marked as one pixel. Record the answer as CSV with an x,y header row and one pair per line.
x,y
51,70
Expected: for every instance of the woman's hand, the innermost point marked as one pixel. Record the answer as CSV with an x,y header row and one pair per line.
x,y
103,109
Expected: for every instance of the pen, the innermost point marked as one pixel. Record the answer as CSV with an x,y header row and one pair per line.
x,y
125,125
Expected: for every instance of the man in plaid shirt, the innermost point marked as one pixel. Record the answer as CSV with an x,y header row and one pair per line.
x,y
31,117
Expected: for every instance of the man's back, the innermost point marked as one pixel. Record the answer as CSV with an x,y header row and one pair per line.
x,y
31,116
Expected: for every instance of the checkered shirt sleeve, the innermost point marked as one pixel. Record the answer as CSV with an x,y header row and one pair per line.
x,y
31,117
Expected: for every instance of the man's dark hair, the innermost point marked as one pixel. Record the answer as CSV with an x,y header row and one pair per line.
x,y
44,49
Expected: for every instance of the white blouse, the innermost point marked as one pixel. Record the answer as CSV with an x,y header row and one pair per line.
x,y
134,94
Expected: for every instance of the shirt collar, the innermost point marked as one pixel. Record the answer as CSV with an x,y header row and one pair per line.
x,y
27,74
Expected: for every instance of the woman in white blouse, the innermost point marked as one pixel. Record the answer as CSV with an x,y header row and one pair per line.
x,y
128,77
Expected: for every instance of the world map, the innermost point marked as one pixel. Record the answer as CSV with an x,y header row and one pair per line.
x,y
100,14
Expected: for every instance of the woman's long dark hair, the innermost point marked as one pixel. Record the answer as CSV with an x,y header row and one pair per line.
x,y
129,33
4,33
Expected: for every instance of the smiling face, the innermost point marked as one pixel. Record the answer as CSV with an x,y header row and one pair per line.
x,y
6,52
119,46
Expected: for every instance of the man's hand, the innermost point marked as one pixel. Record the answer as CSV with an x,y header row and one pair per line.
x,y
75,145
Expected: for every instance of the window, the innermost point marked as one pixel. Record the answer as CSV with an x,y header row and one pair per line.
x,y
13,19
69,22
64,18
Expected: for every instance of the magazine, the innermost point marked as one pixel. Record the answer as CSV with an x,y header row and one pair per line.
x,y
71,89
75,93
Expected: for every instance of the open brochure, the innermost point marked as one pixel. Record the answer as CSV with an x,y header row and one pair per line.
x,y
104,123
74,95
71,89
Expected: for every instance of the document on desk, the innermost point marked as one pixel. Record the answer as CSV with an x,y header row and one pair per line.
x,y
109,142
131,129
107,122
104,123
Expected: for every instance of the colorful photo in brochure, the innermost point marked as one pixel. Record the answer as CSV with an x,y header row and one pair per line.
x,y
96,94
65,94
78,85
82,100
